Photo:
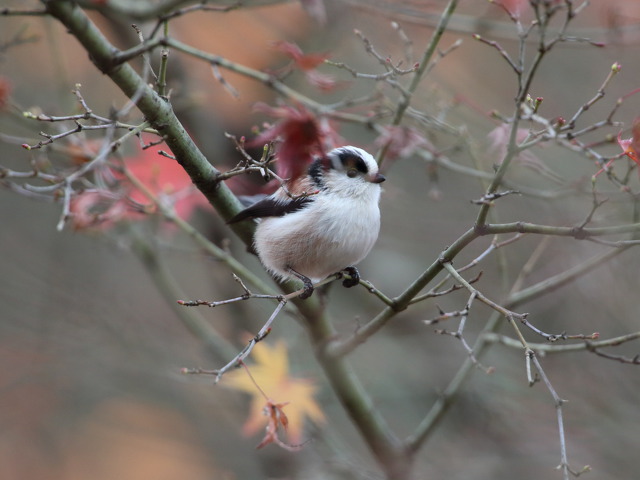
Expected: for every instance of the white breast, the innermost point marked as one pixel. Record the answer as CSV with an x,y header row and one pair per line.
x,y
332,233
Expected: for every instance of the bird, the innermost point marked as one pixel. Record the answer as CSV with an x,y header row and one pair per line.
x,y
321,223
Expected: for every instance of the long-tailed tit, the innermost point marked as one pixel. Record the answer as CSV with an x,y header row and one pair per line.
x,y
322,223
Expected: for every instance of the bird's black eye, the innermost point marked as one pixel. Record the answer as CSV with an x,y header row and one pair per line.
x,y
352,172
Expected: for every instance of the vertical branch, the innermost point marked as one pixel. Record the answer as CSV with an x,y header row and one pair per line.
x,y
564,462
525,80
405,100
164,61
162,75
390,453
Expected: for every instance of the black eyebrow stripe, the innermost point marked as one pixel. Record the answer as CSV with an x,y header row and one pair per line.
x,y
361,166
350,159
270,207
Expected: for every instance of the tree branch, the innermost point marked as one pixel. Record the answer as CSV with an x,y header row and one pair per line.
x,y
157,111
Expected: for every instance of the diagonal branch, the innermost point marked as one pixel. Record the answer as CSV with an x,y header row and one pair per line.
x,y
486,338
157,110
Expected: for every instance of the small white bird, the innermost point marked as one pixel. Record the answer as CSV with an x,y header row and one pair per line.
x,y
322,223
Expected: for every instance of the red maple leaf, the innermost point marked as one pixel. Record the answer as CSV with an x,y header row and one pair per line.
x,y
300,134
631,146
166,179
308,63
163,177
303,61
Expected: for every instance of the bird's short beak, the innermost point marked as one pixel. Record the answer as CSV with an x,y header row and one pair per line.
x,y
378,178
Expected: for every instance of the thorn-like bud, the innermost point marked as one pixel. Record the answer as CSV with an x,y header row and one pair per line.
x,y
475,36
25,146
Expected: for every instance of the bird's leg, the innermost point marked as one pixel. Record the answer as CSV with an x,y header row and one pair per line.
x,y
354,277
308,285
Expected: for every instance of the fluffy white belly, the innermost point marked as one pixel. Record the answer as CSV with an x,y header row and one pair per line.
x,y
319,244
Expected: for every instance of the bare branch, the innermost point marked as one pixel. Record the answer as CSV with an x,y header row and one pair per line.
x,y
492,43
459,334
570,125
245,352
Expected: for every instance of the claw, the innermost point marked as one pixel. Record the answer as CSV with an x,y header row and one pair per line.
x,y
308,289
308,285
354,277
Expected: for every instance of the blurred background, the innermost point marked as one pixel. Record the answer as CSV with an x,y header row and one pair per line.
x,y
91,350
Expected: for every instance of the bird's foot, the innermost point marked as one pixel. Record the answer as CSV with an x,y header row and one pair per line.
x,y
354,277
308,284
308,289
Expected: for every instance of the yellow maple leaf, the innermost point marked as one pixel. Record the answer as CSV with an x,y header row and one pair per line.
x,y
269,381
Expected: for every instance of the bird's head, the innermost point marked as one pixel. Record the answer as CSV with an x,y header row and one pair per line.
x,y
347,170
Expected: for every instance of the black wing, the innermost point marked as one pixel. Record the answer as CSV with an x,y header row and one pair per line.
x,y
271,207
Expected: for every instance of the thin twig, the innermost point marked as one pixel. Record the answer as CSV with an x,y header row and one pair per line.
x,y
615,68
245,352
423,65
9,12
459,333
191,8
592,344
559,402
228,87
492,43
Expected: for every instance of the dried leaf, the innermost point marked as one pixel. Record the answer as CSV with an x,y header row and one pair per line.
x,y
270,379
